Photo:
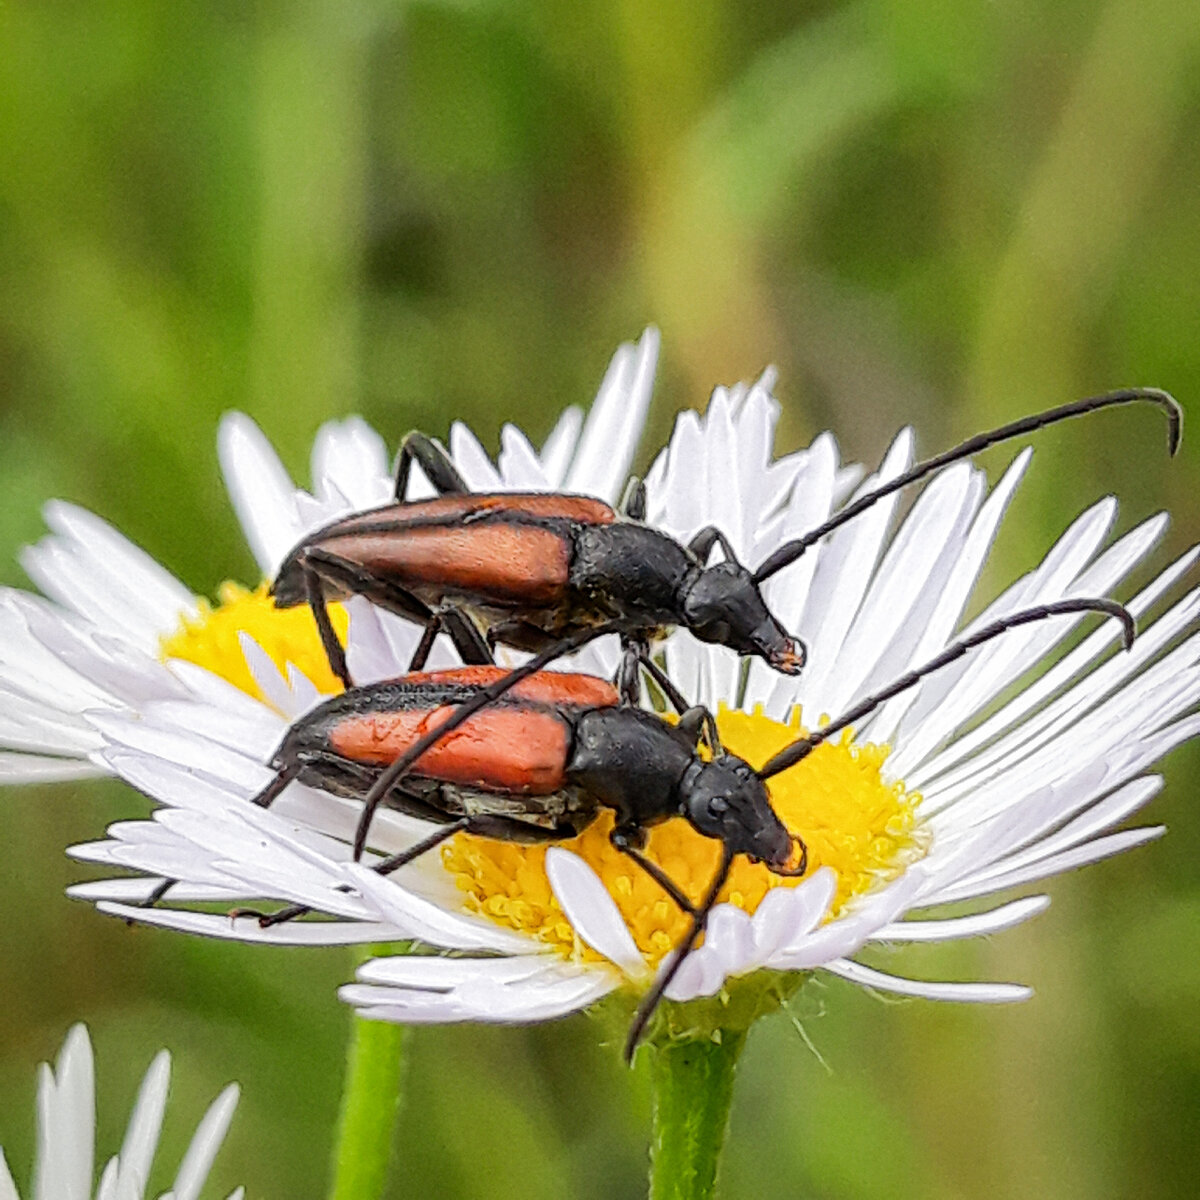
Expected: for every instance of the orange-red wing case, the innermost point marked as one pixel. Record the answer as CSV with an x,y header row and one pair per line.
x,y
505,748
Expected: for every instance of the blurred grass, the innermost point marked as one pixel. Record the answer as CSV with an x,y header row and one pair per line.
x,y
942,213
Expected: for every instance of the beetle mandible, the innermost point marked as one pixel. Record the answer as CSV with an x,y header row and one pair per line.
x,y
549,572
534,756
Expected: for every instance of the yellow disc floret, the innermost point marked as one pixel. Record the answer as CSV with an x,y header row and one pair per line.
x,y
286,635
836,800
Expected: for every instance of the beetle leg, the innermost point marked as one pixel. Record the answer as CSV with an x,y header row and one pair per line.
x,y
421,654
274,789
653,997
701,545
627,680
698,721
633,503
471,645
674,696
329,638
629,839
432,458
357,579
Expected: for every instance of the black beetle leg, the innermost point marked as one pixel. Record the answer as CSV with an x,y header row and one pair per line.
x,y
471,645
633,503
674,696
629,840
434,461
320,611
654,996
467,639
699,720
702,543
627,680
421,654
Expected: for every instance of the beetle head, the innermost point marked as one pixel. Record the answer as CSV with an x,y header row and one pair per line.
x,y
723,604
725,799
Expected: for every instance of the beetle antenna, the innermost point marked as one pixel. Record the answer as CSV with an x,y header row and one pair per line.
x,y
652,999
790,755
395,771
790,551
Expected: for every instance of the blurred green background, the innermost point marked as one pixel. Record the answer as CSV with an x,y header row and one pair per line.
x,y
946,213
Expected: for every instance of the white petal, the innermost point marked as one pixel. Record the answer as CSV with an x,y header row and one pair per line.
x,y
997,919
34,768
969,993
614,425
559,447
553,992
350,459
262,493
592,911
145,1123
246,929
418,918
210,1133
8,1189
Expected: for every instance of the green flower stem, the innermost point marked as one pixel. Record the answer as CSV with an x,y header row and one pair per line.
x,y
693,1088
370,1101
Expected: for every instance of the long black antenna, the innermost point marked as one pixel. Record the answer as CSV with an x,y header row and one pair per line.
x,y
789,756
654,996
790,551
395,771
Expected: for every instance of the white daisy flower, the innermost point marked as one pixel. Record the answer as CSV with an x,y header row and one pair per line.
x,y
66,1105
951,792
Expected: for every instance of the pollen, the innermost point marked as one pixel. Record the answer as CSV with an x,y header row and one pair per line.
x,y
866,829
287,635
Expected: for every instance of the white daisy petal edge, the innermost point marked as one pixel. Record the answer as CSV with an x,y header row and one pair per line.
x,y
65,1167
1017,783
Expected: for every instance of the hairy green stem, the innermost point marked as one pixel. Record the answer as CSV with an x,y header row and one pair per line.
x,y
370,1101
693,1088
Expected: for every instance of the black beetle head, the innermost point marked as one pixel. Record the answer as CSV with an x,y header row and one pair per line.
x,y
725,799
724,605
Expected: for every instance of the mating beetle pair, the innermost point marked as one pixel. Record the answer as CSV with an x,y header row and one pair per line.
x,y
550,573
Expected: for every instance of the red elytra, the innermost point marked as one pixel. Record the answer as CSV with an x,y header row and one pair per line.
x,y
518,746
499,560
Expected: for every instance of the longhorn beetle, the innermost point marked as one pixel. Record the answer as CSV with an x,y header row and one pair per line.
x,y
538,754
539,570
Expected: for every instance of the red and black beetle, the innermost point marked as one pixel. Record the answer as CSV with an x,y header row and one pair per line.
x,y
534,756
536,571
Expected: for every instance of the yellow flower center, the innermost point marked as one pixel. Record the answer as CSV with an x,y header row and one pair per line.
x,y
286,635
867,830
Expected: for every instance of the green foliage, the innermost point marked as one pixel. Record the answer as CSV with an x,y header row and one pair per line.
x,y
944,214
